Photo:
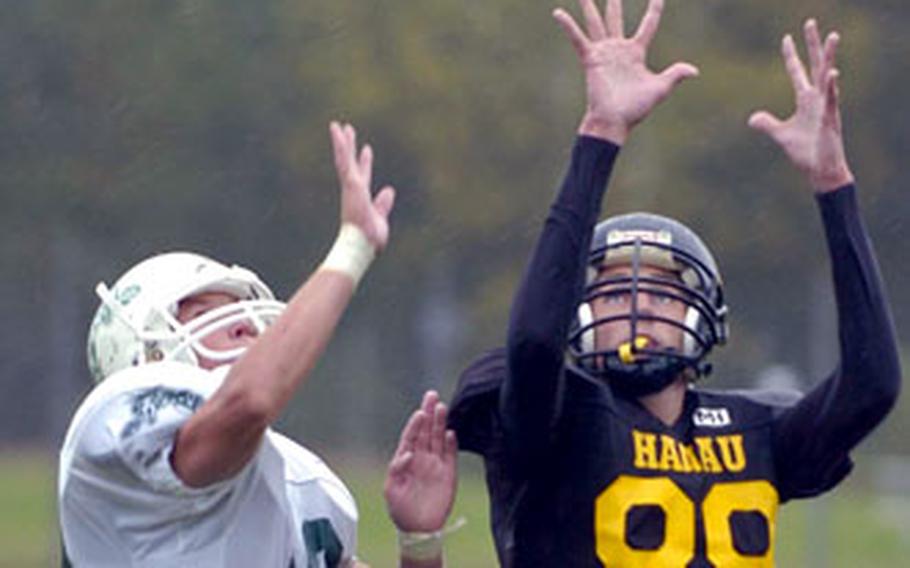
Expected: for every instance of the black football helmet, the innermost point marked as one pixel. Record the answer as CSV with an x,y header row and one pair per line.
x,y
637,368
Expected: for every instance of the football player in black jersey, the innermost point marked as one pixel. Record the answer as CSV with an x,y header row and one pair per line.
x,y
598,448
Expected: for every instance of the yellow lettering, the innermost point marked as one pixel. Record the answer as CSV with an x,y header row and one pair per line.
x,y
703,456
709,460
689,459
731,451
645,450
669,457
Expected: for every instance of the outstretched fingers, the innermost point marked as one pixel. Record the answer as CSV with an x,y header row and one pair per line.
x,y
674,75
794,65
830,57
649,23
573,30
614,19
817,60
349,165
437,438
408,440
451,447
677,73
365,164
829,86
831,43
351,135
832,99
425,434
765,122
340,148
593,20
384,201
399,464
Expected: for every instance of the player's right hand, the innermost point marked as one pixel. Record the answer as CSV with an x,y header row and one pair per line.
x,y
621,90
355,171
422,476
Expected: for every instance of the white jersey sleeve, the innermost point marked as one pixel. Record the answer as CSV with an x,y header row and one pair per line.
x,y
121,503
128,425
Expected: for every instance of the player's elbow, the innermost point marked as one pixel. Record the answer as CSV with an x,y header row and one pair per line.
x,y
220,439
887,386
888,391
879,396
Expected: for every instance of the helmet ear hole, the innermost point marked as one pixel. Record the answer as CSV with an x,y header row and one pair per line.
x,y
155,354
692,321
585,318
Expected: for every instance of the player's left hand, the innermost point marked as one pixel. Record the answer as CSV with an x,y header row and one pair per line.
x,y
812,136
421,481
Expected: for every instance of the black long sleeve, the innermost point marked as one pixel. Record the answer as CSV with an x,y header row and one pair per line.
x,y
814,437
545,303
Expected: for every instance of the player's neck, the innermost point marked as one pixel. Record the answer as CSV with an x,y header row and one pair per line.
x,y
666,405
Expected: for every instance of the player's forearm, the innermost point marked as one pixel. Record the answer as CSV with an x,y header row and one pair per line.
x,y
840,411
545,303
221,438
869,375
279,361
554,278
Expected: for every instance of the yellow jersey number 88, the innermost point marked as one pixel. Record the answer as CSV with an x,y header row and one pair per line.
x,y
678,546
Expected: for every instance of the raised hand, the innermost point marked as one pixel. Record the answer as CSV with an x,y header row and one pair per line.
x,y
421,481
621,90
355,172
812,136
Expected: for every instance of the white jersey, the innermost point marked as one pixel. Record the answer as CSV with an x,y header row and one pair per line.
x,y
122,505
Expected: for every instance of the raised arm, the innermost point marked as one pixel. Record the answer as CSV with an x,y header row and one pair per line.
x,y
621,92
829,421
224,434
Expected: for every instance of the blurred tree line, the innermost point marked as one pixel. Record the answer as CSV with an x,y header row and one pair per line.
x,y
130,128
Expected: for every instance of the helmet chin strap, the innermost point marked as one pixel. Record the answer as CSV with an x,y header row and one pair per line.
x,y
645,376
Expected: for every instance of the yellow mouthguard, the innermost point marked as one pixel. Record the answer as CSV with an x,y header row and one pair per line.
x,y
626,355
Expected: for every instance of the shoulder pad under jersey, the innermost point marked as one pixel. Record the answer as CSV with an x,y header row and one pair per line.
x,y
476,400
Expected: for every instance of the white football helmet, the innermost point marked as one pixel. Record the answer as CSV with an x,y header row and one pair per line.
x,y
137,322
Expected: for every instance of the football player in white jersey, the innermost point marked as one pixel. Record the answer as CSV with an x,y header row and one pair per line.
x,y
171,461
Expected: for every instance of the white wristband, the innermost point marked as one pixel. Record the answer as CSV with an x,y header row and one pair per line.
x,y
351,254
423,546
420,546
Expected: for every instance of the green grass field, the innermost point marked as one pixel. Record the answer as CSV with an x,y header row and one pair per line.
x,y
850,528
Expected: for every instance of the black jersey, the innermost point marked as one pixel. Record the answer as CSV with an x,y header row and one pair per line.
x,y
614,486
579,477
